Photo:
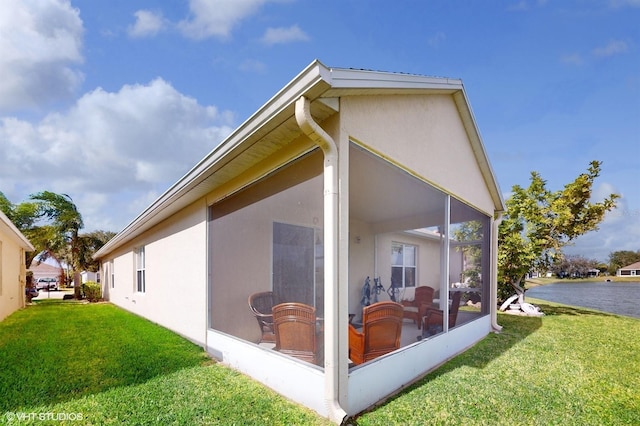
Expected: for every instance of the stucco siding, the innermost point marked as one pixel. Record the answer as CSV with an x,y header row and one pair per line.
x,y
12,277
175,274
425,135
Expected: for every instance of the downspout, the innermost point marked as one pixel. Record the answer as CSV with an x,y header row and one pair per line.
x,y
494,273
331,318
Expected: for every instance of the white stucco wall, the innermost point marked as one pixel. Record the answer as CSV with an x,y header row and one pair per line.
x,y
176,278
12,274
423,133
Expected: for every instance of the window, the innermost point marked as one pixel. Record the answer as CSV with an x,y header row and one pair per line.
x,y
113,275
403,265
140,281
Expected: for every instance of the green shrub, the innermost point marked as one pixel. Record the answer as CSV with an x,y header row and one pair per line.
x,y
92,291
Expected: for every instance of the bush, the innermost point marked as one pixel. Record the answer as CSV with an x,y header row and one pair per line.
x,y
92,291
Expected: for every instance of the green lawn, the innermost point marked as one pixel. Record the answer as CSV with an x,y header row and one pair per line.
x,y
572,367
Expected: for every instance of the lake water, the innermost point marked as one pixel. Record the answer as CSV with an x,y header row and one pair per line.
x,y
618,298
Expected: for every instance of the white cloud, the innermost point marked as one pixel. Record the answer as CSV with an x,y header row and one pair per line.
x,y
614,47
112,151
41,44
284,35
147,24
216,18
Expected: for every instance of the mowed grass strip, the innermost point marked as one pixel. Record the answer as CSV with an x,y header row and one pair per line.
x,y
571,367
113,367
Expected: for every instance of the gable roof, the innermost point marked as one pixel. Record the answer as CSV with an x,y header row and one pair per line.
x,y
273,127
632,266
11,230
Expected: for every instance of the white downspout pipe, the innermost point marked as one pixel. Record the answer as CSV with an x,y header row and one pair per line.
x,y
331,317
494,273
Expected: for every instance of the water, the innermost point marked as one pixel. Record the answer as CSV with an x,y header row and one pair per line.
x,y
622,298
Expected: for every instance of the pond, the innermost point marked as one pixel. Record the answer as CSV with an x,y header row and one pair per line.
x,y
622,298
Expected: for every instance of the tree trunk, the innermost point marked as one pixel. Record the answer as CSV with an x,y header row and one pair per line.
x,y
519,290
77,285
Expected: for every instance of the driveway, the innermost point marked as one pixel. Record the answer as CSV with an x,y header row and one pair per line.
x,y
44,294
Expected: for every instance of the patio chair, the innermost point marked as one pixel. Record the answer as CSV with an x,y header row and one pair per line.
x,y
434,318
381,329
416,309
295,329
261,305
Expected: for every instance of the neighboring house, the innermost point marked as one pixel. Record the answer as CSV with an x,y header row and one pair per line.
x,y
344,174
45,270
632,270
13,272
89,276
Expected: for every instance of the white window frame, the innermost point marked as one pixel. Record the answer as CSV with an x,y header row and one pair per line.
x,y
140,259
404,266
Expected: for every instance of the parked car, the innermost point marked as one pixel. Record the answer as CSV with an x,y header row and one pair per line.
x,y
33,291
47,284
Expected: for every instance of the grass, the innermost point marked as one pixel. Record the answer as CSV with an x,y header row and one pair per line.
x,y
572,367
112,367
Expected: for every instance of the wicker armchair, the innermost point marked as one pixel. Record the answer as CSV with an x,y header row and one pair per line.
x,y
261,305
381,330
416,309
433,319
295,329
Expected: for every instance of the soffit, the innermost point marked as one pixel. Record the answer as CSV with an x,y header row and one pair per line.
x,y
274,128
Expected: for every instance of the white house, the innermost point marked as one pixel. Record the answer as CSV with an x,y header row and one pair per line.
x,y
344,174
632,270
13,248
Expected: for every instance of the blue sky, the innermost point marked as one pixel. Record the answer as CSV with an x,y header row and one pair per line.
x,y
111,102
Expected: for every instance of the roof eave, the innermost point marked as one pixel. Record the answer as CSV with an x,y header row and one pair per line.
x,y
315,81
23,242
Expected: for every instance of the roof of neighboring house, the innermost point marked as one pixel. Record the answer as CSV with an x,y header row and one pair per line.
x,y
41,270
632,266
11,230
273,127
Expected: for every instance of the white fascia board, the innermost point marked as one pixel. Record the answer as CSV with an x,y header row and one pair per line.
x,y
304,82
350,78
312,82
469,121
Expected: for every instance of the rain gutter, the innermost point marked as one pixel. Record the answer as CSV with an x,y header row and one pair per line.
x,y
331,318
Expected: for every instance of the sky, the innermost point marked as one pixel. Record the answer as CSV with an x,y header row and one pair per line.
x,y
111,102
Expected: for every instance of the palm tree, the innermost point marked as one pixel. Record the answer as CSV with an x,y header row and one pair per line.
x,y
65,221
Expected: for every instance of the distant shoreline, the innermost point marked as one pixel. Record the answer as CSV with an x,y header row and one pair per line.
x,y
535,282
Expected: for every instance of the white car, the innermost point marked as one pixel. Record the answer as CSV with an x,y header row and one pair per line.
x,y
47,284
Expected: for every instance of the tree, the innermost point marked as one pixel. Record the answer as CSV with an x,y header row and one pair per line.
x,y
66,221
573,266
539,222
52,223
620,259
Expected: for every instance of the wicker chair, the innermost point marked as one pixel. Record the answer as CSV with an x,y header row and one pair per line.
x,y
416,309
381,330
295,329
261,305
433,319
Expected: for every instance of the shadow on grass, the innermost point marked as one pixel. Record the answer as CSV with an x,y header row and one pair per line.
x,y
58,351
515,329
552,309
